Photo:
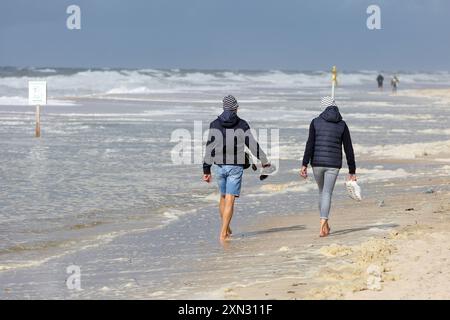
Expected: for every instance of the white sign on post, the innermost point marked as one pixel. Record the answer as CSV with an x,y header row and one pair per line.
x,y
37,93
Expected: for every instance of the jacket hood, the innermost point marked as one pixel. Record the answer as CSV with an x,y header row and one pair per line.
x,y
228,119
331,114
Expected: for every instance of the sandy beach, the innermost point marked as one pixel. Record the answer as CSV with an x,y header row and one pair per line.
x,y
394,247
394,250
136,232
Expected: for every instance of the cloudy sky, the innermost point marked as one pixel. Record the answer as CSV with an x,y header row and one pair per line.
x,y
227,34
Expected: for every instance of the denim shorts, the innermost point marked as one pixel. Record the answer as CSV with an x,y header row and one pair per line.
x,y
229,179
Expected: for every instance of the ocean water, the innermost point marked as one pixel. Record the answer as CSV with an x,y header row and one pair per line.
x,y
99,189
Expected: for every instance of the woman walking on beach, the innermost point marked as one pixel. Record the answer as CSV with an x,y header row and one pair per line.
x,y
327,134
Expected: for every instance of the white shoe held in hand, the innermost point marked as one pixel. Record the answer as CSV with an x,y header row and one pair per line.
x,y
353,190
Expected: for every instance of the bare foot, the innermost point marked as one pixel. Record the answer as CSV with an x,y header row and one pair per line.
x,y
224,237
229,232
324,228
224,241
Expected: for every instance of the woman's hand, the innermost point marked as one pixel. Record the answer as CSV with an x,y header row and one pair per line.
x,y
304,172
352,177
207,178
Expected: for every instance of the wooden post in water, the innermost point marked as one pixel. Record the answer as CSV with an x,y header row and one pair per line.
x,y
38,121
37,96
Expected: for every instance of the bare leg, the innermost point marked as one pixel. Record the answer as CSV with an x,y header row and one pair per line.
x,y
227,214
221,205
221,210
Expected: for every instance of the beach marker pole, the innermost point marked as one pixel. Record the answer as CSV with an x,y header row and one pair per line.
x,y
37,96
333,80
38,121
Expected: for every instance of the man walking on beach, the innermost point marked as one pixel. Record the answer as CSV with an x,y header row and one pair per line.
x,y
228,136
380,80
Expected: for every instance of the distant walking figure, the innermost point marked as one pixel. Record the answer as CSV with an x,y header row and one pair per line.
x,y
394,83
228,137
380,80
327,134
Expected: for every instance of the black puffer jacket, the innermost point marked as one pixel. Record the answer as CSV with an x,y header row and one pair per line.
x,y
229,127
327,134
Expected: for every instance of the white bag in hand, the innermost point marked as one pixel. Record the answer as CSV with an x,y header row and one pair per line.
x,y
353,190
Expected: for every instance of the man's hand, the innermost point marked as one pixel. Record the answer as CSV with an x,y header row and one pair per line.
x,y
207,178
352,177
304,172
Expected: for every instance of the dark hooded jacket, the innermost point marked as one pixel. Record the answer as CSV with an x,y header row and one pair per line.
x,y
327,134
228,137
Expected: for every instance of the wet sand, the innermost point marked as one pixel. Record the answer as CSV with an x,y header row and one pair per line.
x,y
397,249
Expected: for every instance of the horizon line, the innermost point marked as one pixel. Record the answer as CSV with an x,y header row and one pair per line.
x,y
222,69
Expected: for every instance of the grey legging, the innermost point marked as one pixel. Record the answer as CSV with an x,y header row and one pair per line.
x,y
326,179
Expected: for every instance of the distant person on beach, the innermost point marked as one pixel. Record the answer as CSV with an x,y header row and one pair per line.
x,y
380,80
394,83
228,136
327,134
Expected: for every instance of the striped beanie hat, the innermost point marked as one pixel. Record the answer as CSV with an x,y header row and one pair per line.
x,y
230,103
327,102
